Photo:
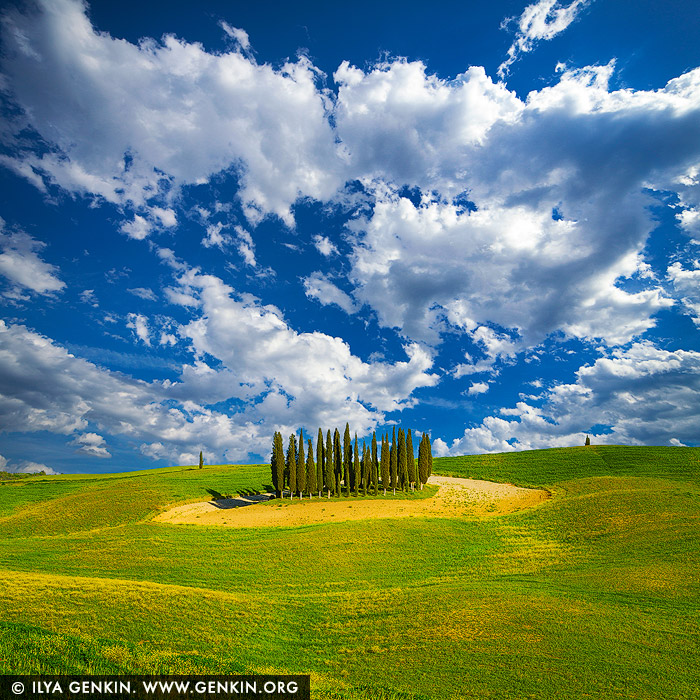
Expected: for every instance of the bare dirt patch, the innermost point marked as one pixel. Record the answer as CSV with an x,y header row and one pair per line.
x,y
455,498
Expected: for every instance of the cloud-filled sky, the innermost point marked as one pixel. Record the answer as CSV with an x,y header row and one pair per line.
x,y
219,221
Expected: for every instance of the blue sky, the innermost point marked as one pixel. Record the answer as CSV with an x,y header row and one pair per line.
x,y
221,220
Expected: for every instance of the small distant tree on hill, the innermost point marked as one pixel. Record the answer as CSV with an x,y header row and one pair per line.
x,y
201,460
588,440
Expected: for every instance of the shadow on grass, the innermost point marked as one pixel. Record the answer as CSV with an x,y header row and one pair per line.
x,y
246,497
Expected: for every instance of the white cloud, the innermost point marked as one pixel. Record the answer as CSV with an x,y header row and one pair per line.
x,y
478,388
647,395
214,236
284,379
87,296
325,246
139,324
238,35
21,265
31,468
138,228
143,293
246,247
687,284
539,22
92,444
558,216
318,286
164,114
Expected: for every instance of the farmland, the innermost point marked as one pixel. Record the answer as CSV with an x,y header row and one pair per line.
x,y
594,592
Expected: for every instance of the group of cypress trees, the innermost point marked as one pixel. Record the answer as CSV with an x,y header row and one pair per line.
x,y
340,469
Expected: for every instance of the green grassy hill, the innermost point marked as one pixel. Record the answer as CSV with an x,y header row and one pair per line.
x,y
595,593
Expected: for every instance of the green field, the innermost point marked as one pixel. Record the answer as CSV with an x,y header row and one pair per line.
x,y
593,594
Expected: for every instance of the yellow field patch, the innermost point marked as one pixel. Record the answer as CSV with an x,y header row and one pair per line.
x,y
455,498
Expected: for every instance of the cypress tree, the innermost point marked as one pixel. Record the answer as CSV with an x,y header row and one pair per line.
x,y
393,457
430,455
588,440
356,469
328,475
320,457
337,460
291,464
402,465
310,471
347,457
423,460
375,474
201,460
366,471
385,463
375,462
273,461
278,464
410,460
301,466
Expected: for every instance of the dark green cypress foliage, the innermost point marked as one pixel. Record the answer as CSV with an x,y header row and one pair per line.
x,y
375,461
347,457
394,462
588,440
423,460
301,466
385,467
310,470
290,464
201,460
402,466
357,473
410,460
366,471
273,461
375,475
430,455
320,457
277,463
337,460
328,475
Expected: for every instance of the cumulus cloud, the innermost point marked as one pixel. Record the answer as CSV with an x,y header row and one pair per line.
x,y
22,266
539,22
163,114
648,396
478,388
139,324
557,216
283,379
92,444
687,283
317,286
325,246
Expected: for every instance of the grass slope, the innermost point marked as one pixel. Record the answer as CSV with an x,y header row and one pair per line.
x,y
595,593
